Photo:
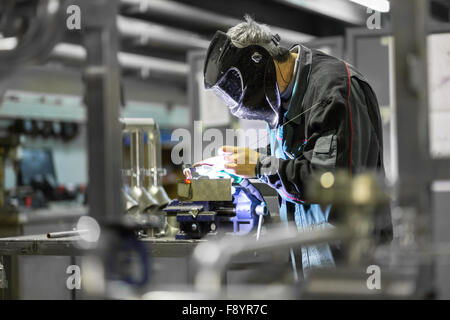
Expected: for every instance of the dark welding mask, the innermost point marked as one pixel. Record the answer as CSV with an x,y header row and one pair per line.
x,y
243,78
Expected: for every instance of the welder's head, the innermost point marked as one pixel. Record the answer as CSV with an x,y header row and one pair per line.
x,y
240,69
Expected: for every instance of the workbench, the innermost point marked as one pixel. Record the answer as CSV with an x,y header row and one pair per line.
x,y
33,261
21,254
41,245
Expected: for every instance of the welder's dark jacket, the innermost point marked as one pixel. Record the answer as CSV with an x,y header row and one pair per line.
x,y
340,128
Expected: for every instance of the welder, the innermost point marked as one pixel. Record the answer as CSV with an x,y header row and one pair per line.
x,y
322,115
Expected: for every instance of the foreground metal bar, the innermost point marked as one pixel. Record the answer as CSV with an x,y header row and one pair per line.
x,y
409,25
411,102
212,258
102,82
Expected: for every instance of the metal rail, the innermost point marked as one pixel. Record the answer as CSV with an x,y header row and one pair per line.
x,y
40,245
212,258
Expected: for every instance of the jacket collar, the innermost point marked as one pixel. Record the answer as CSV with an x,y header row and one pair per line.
x,y
302,73
288,92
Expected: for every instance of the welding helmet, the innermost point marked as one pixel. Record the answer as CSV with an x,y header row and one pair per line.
x,y
243,78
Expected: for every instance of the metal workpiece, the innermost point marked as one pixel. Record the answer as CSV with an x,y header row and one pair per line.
x,y
212,207
205,190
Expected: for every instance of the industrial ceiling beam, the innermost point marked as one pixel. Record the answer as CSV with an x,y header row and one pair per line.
x,y
149,31
126,60
182,12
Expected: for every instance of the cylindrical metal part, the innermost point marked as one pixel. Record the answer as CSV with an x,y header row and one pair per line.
x,y
130,205
154,164
231,211
64,234
136,156
145,152
261,210
135,169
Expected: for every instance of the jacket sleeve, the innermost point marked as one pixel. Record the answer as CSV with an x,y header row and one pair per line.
x,y
329,145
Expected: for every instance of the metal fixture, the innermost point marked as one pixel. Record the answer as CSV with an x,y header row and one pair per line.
x,y
146,31
134,173
127,60
153,161
145,146
143,164
130,206
184,12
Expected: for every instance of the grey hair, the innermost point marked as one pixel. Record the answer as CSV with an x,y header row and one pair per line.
x,y
252,33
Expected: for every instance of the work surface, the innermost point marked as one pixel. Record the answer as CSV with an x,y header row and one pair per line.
x,y
41,245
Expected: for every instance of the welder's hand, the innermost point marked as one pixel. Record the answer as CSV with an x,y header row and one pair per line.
x,y
240,161
216,162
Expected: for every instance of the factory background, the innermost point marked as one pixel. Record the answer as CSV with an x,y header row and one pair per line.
x,y
161,51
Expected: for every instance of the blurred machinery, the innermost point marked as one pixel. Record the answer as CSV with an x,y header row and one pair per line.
x,y
356,199
143,196
33,27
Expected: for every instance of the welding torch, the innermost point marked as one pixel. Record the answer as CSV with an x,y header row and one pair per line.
x,y
192,171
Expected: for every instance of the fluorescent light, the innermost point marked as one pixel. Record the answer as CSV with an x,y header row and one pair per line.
x,y
337,9
128,60
377,5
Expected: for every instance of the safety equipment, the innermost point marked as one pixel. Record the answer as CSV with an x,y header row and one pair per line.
x,y
243,78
